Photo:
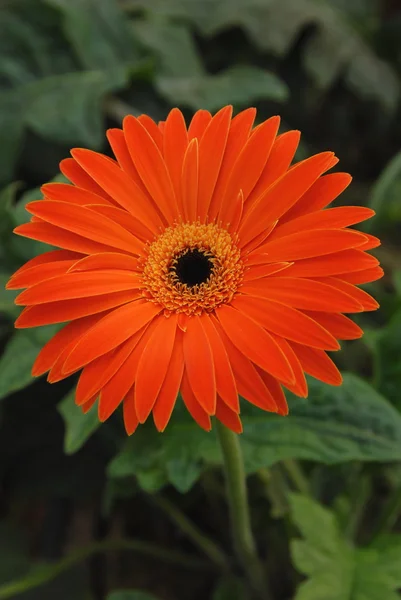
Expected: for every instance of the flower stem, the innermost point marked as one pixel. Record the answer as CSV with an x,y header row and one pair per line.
x,y
390,515
239,509
204,543
48,572
297,476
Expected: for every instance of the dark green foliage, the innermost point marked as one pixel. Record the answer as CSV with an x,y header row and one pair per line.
x,y
68,70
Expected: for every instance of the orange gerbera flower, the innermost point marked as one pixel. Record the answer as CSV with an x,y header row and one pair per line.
x,y
198,261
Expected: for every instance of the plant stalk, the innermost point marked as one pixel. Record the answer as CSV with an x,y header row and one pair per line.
x,y
391,513
204,543
48,572
244,543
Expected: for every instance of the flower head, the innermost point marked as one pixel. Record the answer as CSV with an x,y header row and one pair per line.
x,y
197,261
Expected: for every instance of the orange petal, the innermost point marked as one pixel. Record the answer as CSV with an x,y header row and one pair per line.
x,y
53,348
234,214
105,260
78,285
97,373
151,167
121,383
46,257
365,300
64,192
249,164
315,362
345,261
158,351
303,293
257,272
168,394
322,192
257,242
130,419
87,223
225,382
277,199
124,219
280,158
237,136
286,322
365,276
39,273
67,310
228,417
88,405
199,364
276,391
196,411
76,174
332,218
211,151
119,185
56,236
198,124
371,242
152,129
189,181
119,146
339,326
248,381
299,387
253,341
110,332
175,143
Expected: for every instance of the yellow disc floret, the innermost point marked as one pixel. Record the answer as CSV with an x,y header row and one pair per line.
x,y
191,268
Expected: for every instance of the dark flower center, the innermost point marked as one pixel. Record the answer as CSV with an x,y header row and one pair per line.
x,y
193,268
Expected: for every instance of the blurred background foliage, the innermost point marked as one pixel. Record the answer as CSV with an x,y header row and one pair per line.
x,y
84,510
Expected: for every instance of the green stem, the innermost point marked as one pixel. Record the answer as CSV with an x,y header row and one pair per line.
x,y
295,473
45,573
205,544
390,514
276,489
361,493
244,543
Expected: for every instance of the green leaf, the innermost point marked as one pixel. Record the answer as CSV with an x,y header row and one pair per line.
x,y
183,80
42,87
352,422
385,196
335,424
238,85
22,249
7,223
335,48
78,426
386,345
336,570
397,282
230,588
173,46
141,456
7,297
98,32
131,595
182,470
71,118
11,127
389,557
18,357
